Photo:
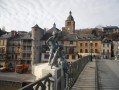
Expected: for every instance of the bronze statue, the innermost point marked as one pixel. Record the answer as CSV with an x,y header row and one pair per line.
x,y
57,55
53,45
62,61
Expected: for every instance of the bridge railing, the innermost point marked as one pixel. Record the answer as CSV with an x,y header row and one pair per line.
x,y
74,70
40,84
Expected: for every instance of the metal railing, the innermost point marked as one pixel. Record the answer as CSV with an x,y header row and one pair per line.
x,y
74,71
40,84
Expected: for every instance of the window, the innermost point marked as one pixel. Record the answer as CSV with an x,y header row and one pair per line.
x,y
108,45
67,56
86,50
2,50
96,51
1,42
81,51
86,44
81,44
71,42
68,23
73,56
46,56
103,51
108,51
24,48
1,56
24,55
28,55
28,62
103,45
96,44
71,50
13,49
91,44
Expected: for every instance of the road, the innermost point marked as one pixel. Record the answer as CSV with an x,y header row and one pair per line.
x,y
108,74
12,76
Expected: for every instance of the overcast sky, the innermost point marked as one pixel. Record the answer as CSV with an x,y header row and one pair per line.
x,y
23,14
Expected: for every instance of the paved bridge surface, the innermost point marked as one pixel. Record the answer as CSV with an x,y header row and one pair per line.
x,y
99,75
86,80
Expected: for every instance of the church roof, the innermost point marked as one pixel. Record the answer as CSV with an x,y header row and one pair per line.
x,y
70,17
50,31
53,29
36,26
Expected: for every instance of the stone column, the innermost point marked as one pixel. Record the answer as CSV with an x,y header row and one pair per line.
x,y
41,70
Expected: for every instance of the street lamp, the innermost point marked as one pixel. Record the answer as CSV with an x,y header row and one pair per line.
x,y
91,50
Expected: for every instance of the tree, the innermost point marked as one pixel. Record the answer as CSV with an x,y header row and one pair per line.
x,y
2,31
3,28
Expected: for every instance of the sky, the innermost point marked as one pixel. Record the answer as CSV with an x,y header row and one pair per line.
x,y
21,15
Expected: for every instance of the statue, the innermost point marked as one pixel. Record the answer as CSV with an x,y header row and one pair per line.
x,y
62,61
57,55
53,45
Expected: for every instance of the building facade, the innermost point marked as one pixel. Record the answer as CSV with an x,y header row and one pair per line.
x,y
37,34
106,49
89,45
70,24
110,29
3,50
30,48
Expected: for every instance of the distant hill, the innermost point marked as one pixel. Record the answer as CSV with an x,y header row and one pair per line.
x,y
94,31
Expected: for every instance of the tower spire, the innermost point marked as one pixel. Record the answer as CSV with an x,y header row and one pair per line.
x,y
70,13
54,25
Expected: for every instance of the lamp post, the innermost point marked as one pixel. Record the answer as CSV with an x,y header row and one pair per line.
x,y
91,50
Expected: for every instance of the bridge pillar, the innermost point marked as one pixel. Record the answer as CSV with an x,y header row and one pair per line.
x,y
41,70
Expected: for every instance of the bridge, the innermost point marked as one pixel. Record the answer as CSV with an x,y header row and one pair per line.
x,y
99,74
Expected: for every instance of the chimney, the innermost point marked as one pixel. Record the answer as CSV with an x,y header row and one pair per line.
x,y
13,33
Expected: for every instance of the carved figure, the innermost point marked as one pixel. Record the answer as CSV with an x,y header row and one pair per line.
x,y
62,61
57,55
53,45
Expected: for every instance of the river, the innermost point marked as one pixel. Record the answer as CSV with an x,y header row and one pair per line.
x,y
3,87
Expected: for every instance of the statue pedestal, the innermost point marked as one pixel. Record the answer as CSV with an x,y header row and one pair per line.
x,y
42,70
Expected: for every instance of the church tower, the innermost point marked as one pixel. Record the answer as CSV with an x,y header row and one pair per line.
x,y
37,34
70,24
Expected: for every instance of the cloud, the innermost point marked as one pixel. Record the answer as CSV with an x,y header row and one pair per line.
x,y
23,14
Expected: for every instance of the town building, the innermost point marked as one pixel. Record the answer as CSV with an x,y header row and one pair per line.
x,y
25,49
110,29
106,48
3,48
37,34
115,43
30,47
88,44
70,24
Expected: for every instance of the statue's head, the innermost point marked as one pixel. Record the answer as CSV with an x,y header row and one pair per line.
x,y
54,33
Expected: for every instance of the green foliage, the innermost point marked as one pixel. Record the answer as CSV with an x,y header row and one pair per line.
x,y
95,31
2,31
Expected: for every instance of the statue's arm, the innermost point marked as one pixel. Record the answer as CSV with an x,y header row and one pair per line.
x,y
47,42
56,40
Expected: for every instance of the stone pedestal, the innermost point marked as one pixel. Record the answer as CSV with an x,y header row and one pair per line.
x,y
42,70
